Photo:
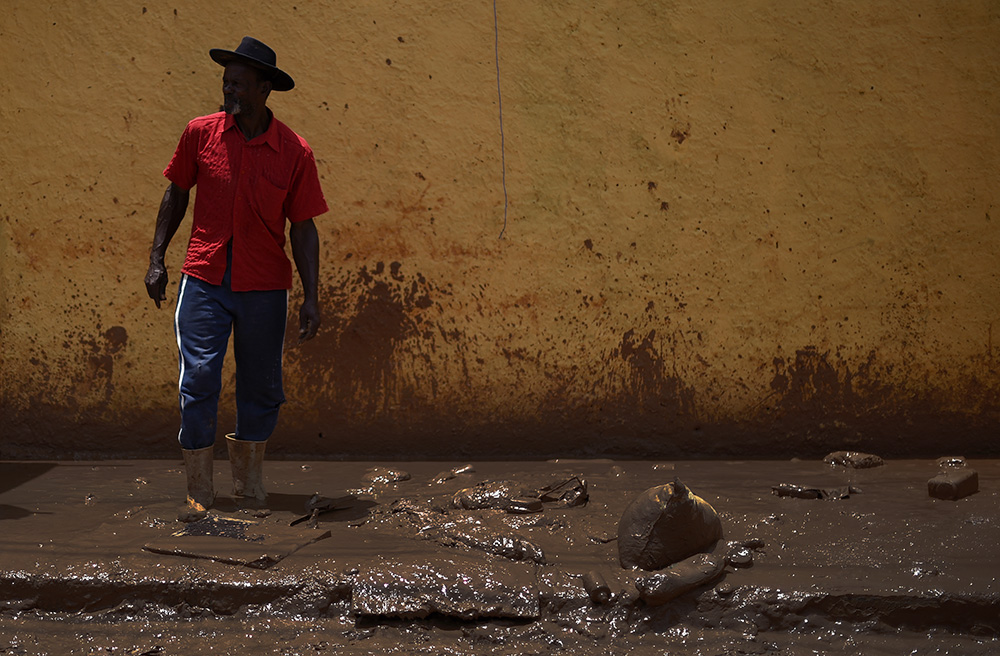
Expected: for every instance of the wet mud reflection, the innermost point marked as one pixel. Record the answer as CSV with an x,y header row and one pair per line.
x,y
506,558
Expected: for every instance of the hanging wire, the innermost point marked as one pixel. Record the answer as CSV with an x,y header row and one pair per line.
x,y
503,159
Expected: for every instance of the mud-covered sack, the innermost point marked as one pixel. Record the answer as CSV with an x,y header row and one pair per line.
x,y
664,525
680,578
853,460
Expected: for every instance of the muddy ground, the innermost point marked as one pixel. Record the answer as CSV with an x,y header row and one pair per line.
x,y
94,562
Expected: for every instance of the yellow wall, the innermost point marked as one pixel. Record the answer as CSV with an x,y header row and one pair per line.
x,y
737,229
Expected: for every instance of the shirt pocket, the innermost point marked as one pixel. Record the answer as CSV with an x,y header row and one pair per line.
x,y
269,200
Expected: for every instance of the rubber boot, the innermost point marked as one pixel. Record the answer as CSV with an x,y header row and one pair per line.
x,y
198,465
247,461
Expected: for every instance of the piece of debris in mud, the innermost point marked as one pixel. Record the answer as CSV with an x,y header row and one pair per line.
x,y
524,506
476,536
223,527
803,492
486,494
666,524
853,460
318,505
516,498
954,484
458,586
452,473
597,587
385,476
680,578
571,492
466,530
229,540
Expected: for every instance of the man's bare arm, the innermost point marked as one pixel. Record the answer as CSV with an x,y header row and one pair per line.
x,y
168,219
305,251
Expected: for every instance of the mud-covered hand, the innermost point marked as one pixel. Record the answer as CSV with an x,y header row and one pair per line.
x,y
309,320
156,282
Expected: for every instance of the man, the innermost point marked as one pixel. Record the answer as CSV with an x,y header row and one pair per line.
x,y
253,173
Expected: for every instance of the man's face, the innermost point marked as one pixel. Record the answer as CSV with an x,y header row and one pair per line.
x,y
243,89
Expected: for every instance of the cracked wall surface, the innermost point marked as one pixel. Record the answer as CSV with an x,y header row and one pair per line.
x,y
732,231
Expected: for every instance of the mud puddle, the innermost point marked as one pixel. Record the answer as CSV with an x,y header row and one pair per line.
x,y
30,636
477,558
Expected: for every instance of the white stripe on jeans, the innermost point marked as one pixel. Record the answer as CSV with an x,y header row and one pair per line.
x,y
177,332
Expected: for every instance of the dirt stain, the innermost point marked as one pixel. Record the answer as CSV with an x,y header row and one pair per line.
x,y
377,318
100,353
646,380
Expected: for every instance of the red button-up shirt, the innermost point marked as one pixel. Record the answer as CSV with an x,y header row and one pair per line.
x,y
246,191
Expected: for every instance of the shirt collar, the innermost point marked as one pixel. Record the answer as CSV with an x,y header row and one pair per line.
x,y
270,136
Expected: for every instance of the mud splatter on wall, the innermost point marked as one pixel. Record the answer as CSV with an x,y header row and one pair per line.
x,y
732,232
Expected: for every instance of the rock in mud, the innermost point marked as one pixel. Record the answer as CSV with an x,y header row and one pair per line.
x,y
954,484
454,472
488,494
385,476
664,525
739,555
457,586
853,460
680,578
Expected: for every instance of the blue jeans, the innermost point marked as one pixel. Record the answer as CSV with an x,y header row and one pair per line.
x,y
205,316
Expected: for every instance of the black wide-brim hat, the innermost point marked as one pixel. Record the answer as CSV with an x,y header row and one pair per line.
x,y
256,54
